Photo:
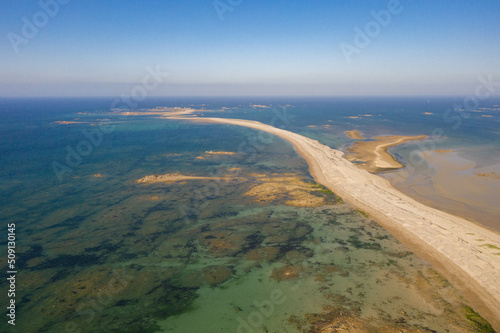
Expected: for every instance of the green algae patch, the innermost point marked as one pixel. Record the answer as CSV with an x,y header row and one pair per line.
x,y
320,190
491,246
363,213
477,321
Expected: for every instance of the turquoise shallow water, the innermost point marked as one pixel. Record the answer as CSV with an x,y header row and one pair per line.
x,y
98,252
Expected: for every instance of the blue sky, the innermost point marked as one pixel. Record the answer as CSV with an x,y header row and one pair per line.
x,y
96,48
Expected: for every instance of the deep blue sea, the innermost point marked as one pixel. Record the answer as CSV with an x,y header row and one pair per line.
x,y
96,251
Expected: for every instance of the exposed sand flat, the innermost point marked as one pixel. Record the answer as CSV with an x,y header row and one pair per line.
x,y
452,183
374,155
215,154
63,122
220,152
162,112
171,178
448,241
354,134
289,188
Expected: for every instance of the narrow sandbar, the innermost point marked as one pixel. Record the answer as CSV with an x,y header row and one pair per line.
x,y
447,241
172,178
220,152
373,155
64,122
160,111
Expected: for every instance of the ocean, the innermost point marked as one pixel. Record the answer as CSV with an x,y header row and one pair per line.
x,y
256,246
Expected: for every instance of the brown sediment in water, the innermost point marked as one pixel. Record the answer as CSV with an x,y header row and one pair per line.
x,y
447,241
263,254
355,134
223,243
373,155
289,188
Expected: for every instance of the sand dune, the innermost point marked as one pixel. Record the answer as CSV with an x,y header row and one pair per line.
x,y
448,241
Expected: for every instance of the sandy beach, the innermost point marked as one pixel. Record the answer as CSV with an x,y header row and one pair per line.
x,y
467,254
373,155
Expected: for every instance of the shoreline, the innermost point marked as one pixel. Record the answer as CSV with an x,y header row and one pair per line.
x,y
446,241
373,156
